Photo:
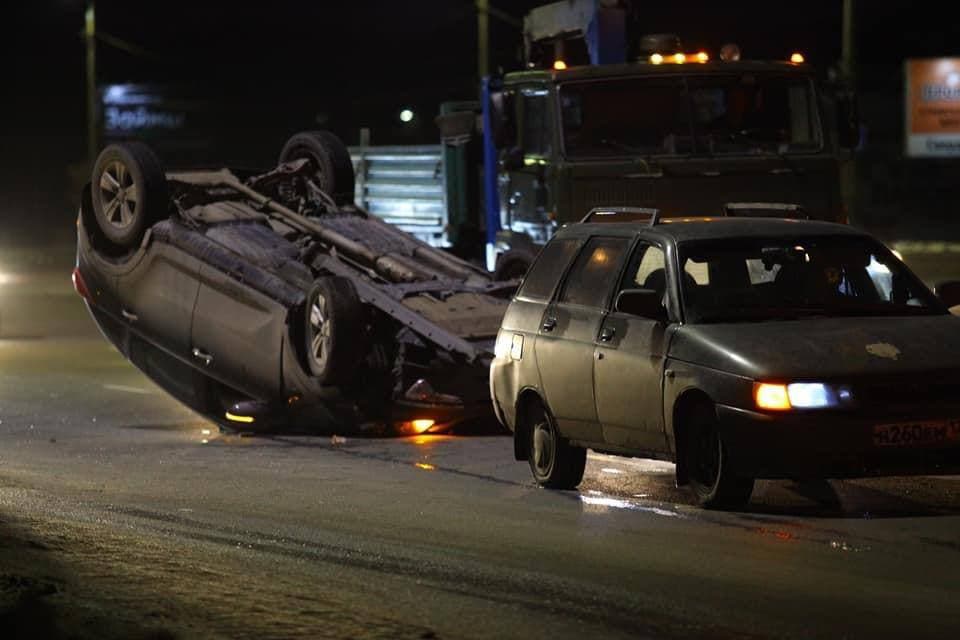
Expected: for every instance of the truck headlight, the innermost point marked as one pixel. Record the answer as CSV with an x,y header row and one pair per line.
x,y
800,395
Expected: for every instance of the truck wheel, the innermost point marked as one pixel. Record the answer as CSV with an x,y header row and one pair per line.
x,y
555,463
334,344
713,482
330,160
512,265
129,192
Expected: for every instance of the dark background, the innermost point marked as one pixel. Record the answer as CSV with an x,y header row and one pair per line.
x,y
272,68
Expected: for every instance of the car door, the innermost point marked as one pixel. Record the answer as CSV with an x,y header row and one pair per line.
x,y
157,297
628,368
527,200
568,333
238,334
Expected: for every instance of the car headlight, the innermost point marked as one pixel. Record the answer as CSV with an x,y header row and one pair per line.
x,y
800,395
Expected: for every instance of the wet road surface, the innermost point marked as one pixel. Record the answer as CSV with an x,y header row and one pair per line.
x,y
124,515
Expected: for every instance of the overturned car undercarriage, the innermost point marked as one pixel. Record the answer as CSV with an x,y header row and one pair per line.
x,y
269,300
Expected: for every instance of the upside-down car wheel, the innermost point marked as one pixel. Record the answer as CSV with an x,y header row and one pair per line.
x,y
334,330
330,160
129,192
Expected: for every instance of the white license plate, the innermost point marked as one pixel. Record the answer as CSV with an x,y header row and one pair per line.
x,y
911,434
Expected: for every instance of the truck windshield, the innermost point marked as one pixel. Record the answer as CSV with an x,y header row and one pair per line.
x,y
785,279
730,114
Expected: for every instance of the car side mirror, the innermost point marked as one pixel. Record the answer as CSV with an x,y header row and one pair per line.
x,y
949,293
646,303
848,121
502,118
512,159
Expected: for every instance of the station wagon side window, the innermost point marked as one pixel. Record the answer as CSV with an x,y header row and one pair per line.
x,y
548,268
647,269
594,272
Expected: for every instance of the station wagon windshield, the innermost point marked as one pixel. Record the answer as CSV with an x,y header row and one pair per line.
x,y
735,114
787,279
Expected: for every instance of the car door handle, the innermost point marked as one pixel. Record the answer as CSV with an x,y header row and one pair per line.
x,y
129,316
549,324
203,357
607,333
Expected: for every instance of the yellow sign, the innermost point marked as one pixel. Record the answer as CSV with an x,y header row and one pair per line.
x,y
933,107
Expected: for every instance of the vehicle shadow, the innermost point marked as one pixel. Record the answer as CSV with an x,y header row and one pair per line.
x,y
897,497
863,499
40,598
478,427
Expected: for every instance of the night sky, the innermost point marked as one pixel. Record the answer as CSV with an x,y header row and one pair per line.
x,y
371,56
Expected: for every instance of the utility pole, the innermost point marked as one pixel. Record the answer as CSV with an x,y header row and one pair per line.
x,y
483,38
90,35
848,59
848,83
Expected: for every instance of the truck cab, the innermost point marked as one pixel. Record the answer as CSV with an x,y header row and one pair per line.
x,y
677,132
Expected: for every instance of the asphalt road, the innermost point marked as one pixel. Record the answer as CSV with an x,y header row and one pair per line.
x,y
123,515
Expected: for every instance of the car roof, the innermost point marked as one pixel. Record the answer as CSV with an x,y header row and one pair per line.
x,y
684,229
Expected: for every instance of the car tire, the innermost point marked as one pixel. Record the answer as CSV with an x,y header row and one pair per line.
x,y
512,265
714,483
129,192
333,331
554,462
333,168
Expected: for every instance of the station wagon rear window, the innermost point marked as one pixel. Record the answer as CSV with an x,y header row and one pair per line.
x,y
548,268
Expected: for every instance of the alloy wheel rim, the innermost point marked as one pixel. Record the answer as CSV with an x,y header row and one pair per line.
x,y
320,330
119,195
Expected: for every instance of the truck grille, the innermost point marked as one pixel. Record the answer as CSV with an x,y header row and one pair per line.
x,y
611,192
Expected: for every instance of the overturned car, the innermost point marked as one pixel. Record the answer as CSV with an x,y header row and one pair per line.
x,y
266,300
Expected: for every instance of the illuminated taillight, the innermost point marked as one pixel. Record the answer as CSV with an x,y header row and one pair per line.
x,y
79,285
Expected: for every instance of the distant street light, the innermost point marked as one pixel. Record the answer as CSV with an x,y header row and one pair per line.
x,y
406,115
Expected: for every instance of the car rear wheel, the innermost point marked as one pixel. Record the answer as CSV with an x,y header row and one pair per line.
x,y
334,341
513,264
129,192
713,481
555,463
333,168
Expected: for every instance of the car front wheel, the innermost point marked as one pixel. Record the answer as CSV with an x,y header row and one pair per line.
x,y
713,481
555,463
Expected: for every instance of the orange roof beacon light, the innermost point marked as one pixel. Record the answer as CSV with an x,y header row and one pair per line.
x,y
702,57
559,65
797,58
730,52
656,58
679,58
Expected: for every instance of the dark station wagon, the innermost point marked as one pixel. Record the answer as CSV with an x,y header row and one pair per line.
x,y
740,348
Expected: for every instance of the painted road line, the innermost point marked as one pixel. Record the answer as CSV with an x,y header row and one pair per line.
x,y
126,389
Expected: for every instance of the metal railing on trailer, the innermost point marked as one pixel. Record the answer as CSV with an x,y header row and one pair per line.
x,y
404,186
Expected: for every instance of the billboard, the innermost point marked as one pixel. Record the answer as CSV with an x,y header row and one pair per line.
x,y
933,108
